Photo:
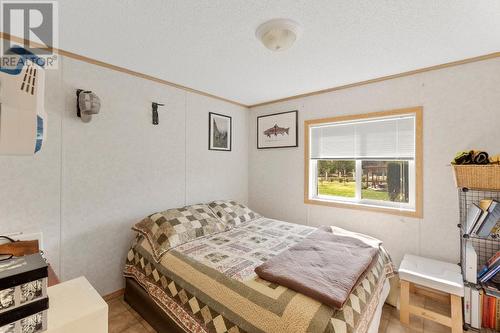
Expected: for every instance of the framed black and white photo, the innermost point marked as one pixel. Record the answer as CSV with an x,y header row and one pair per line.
x,y
220,132
278,130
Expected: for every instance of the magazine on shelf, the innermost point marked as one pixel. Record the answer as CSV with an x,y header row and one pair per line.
x,y
491,273
479,223
485,204
473,216
491,289
493,267
491,219
491,263
495,232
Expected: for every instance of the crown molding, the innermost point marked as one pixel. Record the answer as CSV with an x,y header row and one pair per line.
x,y
124,70
383,78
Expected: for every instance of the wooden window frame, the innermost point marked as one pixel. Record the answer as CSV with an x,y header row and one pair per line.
x,y
418,112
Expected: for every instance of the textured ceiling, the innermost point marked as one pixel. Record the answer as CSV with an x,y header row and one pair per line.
x,y
211,45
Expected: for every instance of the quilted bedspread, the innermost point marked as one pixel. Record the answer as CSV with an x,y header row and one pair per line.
x,y
209,284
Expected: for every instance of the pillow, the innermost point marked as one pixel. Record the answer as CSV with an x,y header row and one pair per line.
x,y
232,213
173,227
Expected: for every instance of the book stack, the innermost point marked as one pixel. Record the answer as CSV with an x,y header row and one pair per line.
x,y
472,307
490,317
490,269
482,308
483,219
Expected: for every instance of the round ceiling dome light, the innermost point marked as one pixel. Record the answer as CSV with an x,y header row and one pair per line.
x,y
278,34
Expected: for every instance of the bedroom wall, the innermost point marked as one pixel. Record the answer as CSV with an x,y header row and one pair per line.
x,y
461,111
93,181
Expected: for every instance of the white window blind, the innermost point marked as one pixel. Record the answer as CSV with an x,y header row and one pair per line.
x,y
390,138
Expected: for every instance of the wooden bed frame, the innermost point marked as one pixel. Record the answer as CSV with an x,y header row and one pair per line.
x,y
140,301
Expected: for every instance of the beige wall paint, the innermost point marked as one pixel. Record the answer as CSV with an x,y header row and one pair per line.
x,y
93,181
461,111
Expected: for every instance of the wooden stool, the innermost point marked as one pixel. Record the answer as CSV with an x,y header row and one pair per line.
x,y
432,278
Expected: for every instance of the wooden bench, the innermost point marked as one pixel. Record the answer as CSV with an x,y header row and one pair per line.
x,y
432,278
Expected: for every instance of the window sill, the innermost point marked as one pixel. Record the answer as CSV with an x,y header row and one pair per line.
x,y
366,207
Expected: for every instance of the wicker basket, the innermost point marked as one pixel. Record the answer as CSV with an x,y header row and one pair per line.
x,y
479,177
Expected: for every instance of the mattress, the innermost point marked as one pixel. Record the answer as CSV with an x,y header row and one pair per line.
x,y
209,284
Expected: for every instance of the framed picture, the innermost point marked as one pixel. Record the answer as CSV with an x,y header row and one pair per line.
x,y
219,132
278,130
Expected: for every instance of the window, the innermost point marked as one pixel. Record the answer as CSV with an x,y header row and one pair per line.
x,y
368,161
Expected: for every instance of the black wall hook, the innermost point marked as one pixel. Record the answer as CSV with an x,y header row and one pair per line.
x,y
155,112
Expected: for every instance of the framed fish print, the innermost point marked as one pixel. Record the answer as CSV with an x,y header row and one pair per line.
x,y
219,132
278,130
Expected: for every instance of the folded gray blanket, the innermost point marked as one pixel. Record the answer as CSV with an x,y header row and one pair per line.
x,y
324,266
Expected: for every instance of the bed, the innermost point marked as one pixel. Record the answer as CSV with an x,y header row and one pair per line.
x,y
208,284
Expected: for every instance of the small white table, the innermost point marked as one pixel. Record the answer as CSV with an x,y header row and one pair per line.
x,y
76,307
437,279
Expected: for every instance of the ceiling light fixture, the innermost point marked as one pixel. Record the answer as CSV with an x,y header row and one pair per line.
x,y
278,34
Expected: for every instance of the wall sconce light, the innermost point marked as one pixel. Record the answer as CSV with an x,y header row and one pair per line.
x,y
87,104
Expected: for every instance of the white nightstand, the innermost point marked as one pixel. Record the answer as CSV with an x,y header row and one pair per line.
x,y
76,307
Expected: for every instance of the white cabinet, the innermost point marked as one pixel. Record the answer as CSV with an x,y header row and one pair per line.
x,y
76,307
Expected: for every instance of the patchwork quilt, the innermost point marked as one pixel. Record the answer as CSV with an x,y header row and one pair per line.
x,y
176,226
209,285
232,213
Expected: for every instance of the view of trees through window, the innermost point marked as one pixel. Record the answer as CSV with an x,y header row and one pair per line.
x,y
337,178
380,180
